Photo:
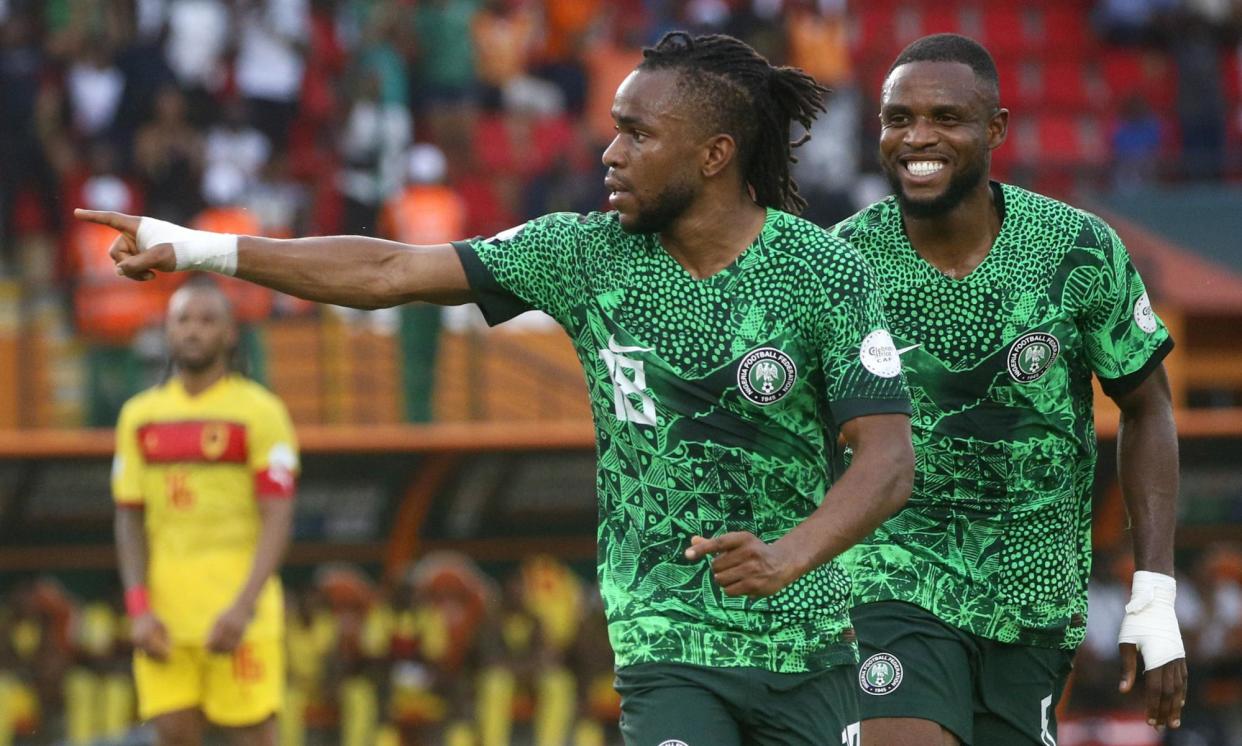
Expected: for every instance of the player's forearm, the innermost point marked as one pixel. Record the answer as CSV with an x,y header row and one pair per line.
x,y
348,271
859,502
276,517
876,485
131,546
345,270
1147,465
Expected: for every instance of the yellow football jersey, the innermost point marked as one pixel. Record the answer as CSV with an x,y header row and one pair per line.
x,y
196,466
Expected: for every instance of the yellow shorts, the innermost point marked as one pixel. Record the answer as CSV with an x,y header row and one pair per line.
x,y
232,691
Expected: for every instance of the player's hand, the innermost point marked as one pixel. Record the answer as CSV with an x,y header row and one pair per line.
x,y
1149,629
1164,688
150,636
226,634
744,565
131,261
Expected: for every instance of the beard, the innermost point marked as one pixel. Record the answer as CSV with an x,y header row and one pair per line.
x,y
663,210
960,185
194,361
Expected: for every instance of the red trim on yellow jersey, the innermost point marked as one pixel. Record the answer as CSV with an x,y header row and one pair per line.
x,y
210,441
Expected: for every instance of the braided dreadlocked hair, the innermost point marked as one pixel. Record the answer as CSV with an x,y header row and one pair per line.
x,y
739,93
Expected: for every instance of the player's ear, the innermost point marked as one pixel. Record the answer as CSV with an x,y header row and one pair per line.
x,y
998,128
719,150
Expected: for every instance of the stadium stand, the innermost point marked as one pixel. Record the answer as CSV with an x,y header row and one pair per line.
x,y
449,603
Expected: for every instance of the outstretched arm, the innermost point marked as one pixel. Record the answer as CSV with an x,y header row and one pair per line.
x,y
344,270
1148,469
876,485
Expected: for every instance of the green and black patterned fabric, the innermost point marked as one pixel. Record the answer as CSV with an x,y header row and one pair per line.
x,y
996,536
717,404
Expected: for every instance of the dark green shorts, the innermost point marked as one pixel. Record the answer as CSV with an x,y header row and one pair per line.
x,y
667,704
985,692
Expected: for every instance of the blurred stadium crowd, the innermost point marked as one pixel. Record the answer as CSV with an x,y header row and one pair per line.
x,y
449,655
429,120
444,118
445,656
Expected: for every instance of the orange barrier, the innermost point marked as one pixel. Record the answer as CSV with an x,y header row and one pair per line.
x,y
477,437
436,438
1191,423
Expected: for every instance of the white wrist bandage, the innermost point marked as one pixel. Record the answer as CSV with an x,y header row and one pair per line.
x,y
1150,622
203,250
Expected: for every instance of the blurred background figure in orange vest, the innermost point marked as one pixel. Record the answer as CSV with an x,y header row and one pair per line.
x,y
107,308
224,190
426,211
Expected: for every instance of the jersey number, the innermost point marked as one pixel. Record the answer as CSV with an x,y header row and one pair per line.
x,y
246,667
852,735
179,494
1045,709
625,389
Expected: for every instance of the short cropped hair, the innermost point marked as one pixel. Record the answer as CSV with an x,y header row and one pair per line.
x,y
951,48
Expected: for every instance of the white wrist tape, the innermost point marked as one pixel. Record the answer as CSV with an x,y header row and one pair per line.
x,y
1150,622
202,250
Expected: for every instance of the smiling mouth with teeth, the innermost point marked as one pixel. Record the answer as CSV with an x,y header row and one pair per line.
x,y
924,168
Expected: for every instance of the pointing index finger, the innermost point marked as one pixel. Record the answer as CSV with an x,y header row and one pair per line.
x,y
119,221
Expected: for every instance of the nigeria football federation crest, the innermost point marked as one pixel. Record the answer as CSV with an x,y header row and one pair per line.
x,y
765,375
1031,355
880,674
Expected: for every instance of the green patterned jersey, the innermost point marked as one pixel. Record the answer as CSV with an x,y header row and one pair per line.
x,y
716,405
996,536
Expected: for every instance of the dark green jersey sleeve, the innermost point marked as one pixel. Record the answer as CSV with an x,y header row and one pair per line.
x,y
533,266
861,364
1124,338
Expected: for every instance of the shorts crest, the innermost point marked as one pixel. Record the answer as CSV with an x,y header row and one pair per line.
x,y
880,674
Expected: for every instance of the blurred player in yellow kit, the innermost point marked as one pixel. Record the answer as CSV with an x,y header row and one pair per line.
x,y
204,477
